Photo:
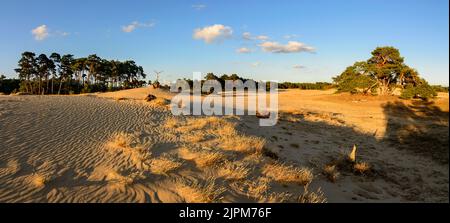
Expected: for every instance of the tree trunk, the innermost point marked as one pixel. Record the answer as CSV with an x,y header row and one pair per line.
x,y
60,85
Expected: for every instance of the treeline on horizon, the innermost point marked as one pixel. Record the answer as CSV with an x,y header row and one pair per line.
x,y
56,74
282,85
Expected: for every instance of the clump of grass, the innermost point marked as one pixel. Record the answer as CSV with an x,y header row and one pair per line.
x,y
331,172
121,139
258,188
311,196
164,164
135,152
202,157
195,192
277,197
212,122
39,180
233,170
361,168
287,173
194,137
171,123
245,144
120,99
160,102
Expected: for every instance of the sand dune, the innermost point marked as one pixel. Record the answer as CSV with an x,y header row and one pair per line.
x,y
97,148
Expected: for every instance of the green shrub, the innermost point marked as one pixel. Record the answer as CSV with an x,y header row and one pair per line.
x,y
422,91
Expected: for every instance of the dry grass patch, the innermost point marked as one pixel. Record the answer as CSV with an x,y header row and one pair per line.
x,y
127,145
121,139
331,172
287,173
194,137
361,168
39,180
201,157
233,170
245,144
120,99
162,102
164,164
171,123
195,192
212,122
311,196
258,188
277,198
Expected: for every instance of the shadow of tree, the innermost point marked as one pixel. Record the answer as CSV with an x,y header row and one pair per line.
x,y
419,127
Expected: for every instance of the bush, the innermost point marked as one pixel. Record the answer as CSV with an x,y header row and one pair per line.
x,y
440,88
7,86
422,91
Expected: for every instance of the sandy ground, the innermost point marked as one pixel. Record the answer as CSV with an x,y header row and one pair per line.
x,y
115,147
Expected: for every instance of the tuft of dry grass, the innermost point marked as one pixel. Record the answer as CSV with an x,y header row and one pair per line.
x,y
136,153
195,192
312,197
233,170
212,122
277,197
120,99
201,157
287,173
164,164
160,102
331,172
258,188
39,180
171,123
194,137
121,139
361,168
245,144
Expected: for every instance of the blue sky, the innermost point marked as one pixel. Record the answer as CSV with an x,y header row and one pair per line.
x,y
325,36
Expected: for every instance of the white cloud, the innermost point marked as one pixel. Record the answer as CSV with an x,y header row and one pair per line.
x,y
290,36
262,38
248,36
290,47
256,64
213,33
243,50
62,33
40,33
199,6
134,25
298,66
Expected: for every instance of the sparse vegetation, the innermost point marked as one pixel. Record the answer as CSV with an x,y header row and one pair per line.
x,y
331,172
233,170
201,157
194,191
312,197
287,173
361,168
164,164
127,145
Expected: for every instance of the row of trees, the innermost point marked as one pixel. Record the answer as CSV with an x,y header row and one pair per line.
x,y
56,74
384,72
